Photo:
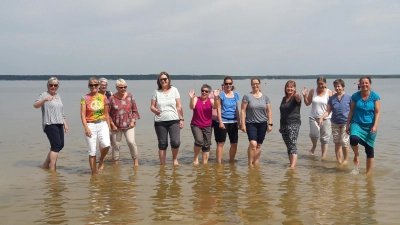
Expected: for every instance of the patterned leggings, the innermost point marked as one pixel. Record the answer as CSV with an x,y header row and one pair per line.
x,y
289,136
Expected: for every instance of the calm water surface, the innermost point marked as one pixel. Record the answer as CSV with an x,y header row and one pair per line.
x,y
317,192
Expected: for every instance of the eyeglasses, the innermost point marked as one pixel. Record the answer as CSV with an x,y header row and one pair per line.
x,y
206,91
255,84
53,85
93,85
123,87
228,83
164,79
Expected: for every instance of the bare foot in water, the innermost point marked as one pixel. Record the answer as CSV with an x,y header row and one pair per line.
x,y
176,163
311,152
195,163
356,160
290,167
101,166
344,162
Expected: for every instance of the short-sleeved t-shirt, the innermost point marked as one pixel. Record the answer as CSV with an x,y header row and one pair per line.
x,y
340,108
256,111
228,107
52,111
364,110
94,106
166,103
290,111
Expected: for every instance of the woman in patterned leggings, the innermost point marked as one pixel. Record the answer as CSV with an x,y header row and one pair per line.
x,y
290,120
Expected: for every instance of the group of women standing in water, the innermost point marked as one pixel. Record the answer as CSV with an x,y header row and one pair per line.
x,y
352,120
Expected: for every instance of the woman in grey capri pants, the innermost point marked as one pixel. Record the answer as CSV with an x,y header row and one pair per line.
x,y
168,119
318,99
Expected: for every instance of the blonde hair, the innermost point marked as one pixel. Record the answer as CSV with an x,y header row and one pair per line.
x,y
52,79
119,82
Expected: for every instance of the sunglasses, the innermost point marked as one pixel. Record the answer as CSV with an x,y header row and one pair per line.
x,y
93,85
53,85
164,79
228,83
123,87
206,91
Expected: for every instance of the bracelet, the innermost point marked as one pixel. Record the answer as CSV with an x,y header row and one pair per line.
x,y
182,119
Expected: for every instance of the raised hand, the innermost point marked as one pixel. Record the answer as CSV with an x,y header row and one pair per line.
x,y
192,94
304,91
216,92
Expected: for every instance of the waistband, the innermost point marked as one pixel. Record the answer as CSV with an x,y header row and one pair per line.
x,y
98,121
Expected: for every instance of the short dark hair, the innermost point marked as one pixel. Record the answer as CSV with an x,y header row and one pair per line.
x,y
229,78
338,82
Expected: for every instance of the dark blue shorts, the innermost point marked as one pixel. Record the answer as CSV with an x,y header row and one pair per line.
x,y
231,129
55,134
256,131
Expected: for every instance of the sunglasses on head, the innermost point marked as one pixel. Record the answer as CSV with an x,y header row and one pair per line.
x,y
228,83
164,79
206,91
93,85
123,87
53,85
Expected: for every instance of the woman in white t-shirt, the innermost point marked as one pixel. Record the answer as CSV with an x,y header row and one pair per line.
x,y
318,99
168,119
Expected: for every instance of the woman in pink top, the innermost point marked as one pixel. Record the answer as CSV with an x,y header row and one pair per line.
x,y
201,124
123,113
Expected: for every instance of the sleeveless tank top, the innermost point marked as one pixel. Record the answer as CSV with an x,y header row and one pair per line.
x,y
319,105
202,113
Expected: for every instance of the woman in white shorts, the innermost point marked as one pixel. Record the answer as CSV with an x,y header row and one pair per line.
x,y
339,105
318,99
95,120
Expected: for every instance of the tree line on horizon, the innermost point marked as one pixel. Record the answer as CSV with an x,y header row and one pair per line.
x,y
190,77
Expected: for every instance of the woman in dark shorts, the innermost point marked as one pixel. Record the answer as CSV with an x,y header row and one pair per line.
x,y
256,112
290,121
53,121
228,119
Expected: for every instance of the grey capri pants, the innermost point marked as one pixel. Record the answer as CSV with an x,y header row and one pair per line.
x,y
168,127
202,137
322,132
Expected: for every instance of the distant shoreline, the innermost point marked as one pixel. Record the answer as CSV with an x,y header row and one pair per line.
x,y
191,77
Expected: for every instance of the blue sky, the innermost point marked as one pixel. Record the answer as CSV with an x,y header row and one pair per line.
x,y
232,37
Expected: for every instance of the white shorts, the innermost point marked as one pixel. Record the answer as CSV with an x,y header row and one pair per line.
x,y
100,132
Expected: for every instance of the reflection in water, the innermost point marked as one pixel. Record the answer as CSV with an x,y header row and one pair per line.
x,y
168,198
204,195
256,205
112,199
290,199
55,213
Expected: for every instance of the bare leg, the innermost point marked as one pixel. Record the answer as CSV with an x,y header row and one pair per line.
x,y
136,162
314,146
220,150
338,152
103,154
46,164
370,164
196,150
205,155
250,152
53,160
324,149
92,163
175,152
257,154
293,160
162,155
232,152
356,159
345,154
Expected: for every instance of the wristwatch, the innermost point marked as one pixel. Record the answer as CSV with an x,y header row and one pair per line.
x,y
182,119
271,124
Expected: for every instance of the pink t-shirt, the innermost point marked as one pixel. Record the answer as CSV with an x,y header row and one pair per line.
x,y
202,113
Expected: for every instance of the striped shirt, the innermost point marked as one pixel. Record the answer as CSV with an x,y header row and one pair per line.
x,y
52,111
